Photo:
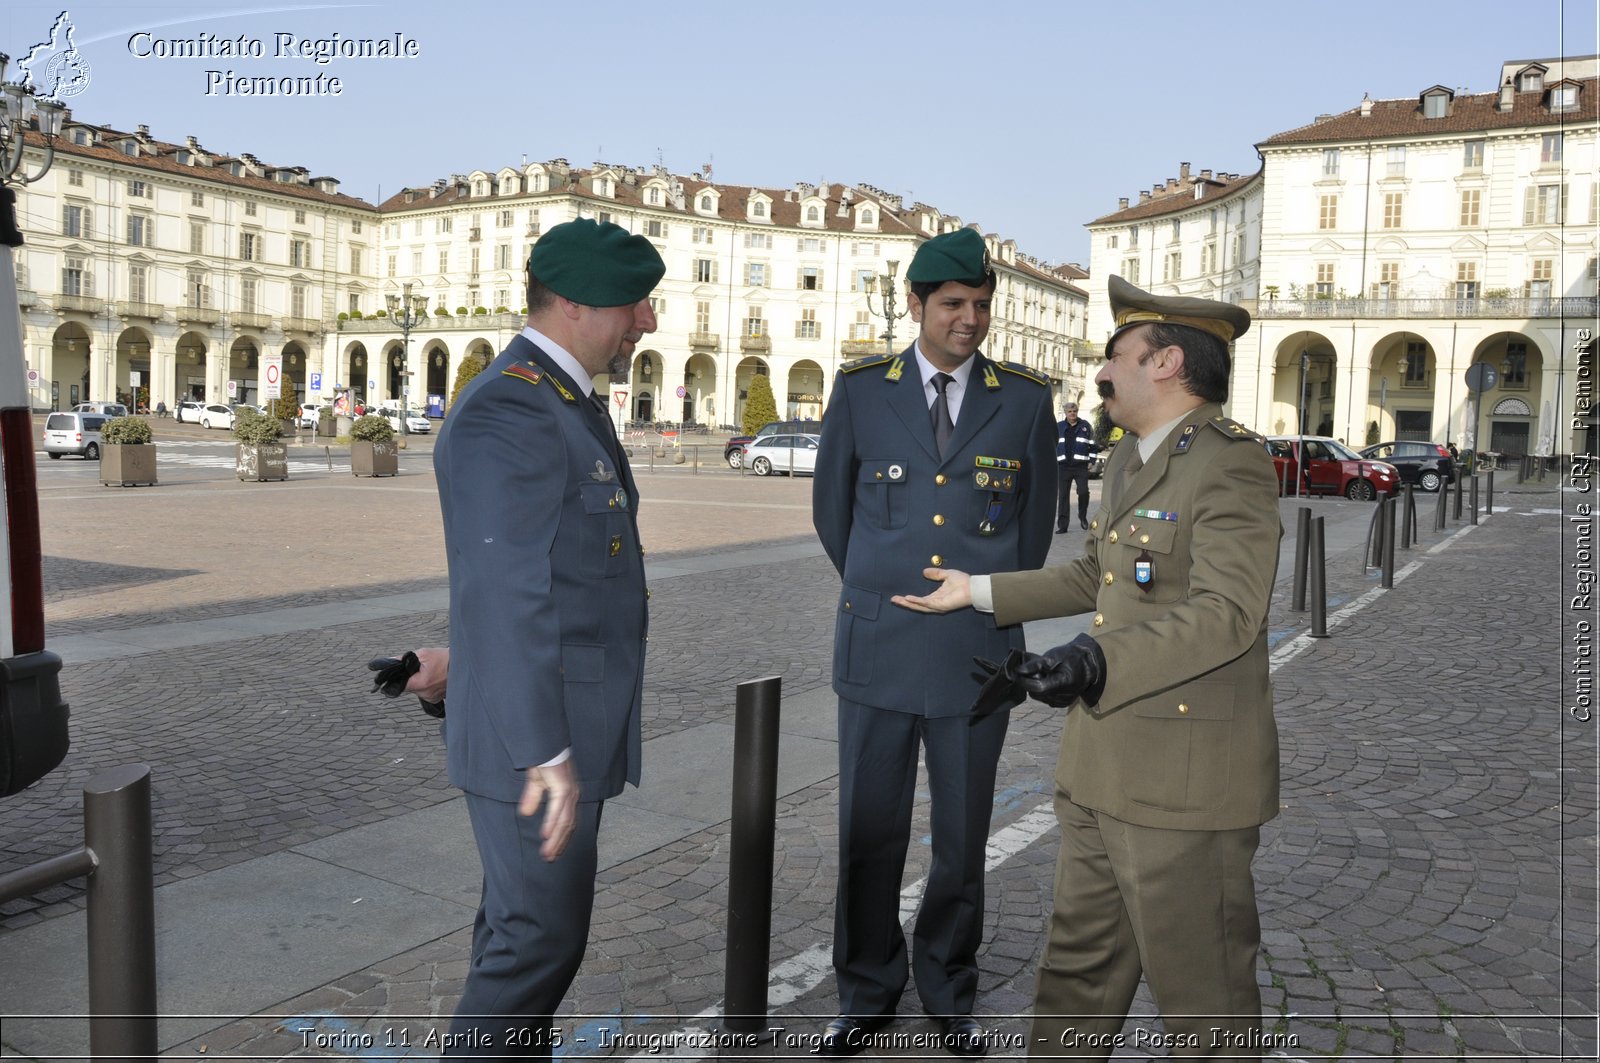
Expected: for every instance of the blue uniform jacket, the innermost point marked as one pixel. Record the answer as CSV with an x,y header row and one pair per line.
x,y
886,507
1075,443
547,592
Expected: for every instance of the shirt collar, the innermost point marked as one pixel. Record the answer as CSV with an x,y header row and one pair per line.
x,y
558,354
1151,443
959,374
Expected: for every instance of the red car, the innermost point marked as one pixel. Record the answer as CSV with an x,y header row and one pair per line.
x,y
1331,468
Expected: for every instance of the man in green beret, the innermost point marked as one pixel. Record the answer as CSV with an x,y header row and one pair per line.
x,y
934,455
547,625
1169,757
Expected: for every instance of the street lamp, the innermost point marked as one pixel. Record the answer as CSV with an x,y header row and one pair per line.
x,y
406,310
888,300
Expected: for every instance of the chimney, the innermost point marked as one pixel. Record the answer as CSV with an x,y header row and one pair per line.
x,y
144,132
1183,171
1205,175
1366,106
1122,204
1144,196
1508,97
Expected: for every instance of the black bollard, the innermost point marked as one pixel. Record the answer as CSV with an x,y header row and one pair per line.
x,y
121,914
1372,554
1301,545
1488,501
1440,505
1460,490
1408,520
1474,499
754,826
1319,583
1388,542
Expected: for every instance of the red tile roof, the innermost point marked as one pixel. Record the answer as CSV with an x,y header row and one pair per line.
x,y
1181,197
1475,113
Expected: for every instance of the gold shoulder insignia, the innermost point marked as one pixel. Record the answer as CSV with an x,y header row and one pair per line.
x,y
1024,372
864,363
990,379
525,370
896,367
1234,430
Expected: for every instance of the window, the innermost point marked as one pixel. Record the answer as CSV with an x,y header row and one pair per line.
x,y
300,217
707,204
141,190
862,281
755,274
196,292
76,278
416,262
1133,236
861,328
502,256
247,295
753,325
1111,242
473,257
811,244
247,246
866,217
1435,105
1172,268
355,259
1130,270
138,283
1393,209
1532,81
249,209
809,279
807,328
197,199
758,241
1545,205
197,237
702,317
138,230
1324,285
1397,161
355,304
1466,281
1541,272
533,223
1328,212
1516,366
658,306
705,270
1388,284
1472,155
75,178
655,228
1330,162
1208,259
503,219
758,209
865,247
653,196
811,214
443,225
1177,228
297,300
700,234
1471,207
77,221
1550,149
1416,368
392,264
355,225
1564,98
444,260
299,253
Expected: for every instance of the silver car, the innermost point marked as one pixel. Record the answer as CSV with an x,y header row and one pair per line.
x,y
74,433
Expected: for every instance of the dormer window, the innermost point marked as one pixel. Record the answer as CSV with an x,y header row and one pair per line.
x,y
1532,80
1435,105
1563,97
130,147
758,209
80,137
812,214
867,217
707,205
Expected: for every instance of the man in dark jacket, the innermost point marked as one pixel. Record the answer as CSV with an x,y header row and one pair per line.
x,y
1075,448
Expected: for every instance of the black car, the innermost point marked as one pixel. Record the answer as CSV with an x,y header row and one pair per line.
x,y
1424,465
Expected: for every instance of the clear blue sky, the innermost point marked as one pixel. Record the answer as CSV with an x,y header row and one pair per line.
x,y
1030,118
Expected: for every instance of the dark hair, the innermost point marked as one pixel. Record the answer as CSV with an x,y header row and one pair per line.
x,y
539,297
923,289
1205,358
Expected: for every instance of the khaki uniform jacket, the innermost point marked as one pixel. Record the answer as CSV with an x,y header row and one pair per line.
x,y
1183,736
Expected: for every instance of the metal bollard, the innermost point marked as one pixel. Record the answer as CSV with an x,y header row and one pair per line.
x,y
1488,501
1474,500
754,826
1408,519
1460,490
1388,542
1319,582
1372,553
121,914
1440,505
1301,545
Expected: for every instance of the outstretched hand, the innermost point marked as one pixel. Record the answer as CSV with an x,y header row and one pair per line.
x,y
954,592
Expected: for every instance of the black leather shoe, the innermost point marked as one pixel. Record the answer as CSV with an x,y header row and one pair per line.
x,y
848,1034
1083,522
963,1037
1062,531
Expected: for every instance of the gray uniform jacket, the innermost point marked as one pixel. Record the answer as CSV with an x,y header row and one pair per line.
x,y
886,507
547,592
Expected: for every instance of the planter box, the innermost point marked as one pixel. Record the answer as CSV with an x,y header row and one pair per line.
x,y
267,461
374,459
127,464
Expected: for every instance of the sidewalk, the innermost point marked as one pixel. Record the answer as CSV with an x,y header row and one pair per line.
x,y
1438,819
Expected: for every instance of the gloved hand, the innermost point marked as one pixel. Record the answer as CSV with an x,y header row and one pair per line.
x,y
1062,675
392,673
1000,687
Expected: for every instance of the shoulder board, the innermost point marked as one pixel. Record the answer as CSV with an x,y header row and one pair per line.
x,y
865,363
525,371
1023,371
1234,430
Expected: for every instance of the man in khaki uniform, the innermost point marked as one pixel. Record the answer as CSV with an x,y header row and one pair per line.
x,y
1169,763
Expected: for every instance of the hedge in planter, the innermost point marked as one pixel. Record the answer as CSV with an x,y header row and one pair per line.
x,y
372,447
127,453
261,454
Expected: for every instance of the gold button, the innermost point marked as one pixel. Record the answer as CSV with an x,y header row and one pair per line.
x,y
641,549
1183,710
1112,537
1110,579
1099,619
938,562
612,503
847,605
938,519
879,475
647,594
1094,525
1144,538
939,479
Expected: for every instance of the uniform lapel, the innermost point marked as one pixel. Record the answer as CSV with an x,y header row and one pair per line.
x,y
978,404
909,400
1146,478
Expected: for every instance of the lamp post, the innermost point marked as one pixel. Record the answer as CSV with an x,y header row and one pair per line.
x,y
888,299
406,310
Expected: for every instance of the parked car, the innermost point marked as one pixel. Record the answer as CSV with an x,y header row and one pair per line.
x,y
733,453
1426,465
782,453
1331,469
74,433
414,422
216,415
110,409
308,415
188,411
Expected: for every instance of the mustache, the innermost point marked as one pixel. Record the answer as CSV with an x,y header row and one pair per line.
x,y
1106,389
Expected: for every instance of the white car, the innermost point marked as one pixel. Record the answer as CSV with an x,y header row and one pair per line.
x,y
415,423
308,415
188,411
216,415
787,453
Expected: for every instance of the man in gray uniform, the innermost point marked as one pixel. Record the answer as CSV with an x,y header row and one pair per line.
x,y
932,456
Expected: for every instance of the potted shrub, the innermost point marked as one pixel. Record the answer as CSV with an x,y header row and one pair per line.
x,y
261,454
372,447
127,453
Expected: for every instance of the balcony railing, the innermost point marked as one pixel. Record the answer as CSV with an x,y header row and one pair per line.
x,y
88,304
252,320
755,343
201,315
433,323
152,311
859,348
27,298
1567,307
708,340
302,324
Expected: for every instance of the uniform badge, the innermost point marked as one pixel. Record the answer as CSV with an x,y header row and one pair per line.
x,y
1187,438
1144,570
1009,464
601,473
896,472
981,479
896,367
620,499
991,380
991,516
616,545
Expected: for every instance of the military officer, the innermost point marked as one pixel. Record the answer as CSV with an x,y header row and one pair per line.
x,y
934,455
1169,757
547,625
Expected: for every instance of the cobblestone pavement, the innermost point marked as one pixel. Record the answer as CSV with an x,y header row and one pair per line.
x,y
1428,890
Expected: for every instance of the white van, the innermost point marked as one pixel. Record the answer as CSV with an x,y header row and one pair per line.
x,y
74,433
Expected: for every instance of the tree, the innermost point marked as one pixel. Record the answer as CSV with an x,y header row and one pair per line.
x,y
288,405
471,366
760,407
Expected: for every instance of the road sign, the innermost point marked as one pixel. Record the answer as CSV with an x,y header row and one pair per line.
x,y
33,377
683,392
620,398
1482,377
272,376
233,387
316,384
372,385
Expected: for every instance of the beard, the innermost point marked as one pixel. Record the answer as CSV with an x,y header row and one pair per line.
x,y
620,362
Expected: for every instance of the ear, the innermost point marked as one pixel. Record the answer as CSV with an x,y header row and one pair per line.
x,y
1168,363
914,305
569,309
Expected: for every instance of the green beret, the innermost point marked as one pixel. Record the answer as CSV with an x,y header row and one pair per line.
x,y
596,263
956,256
1133,306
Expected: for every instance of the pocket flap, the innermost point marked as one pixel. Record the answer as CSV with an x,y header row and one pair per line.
x,y
1192,701
603,497
858,601
1154,535
883,470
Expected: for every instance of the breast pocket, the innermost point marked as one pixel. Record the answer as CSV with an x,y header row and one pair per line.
x,y
1148,552
882,492
607,531
994,499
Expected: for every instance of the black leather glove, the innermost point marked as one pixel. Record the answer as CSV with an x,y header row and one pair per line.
x,y
1001,686
392,673
1060,676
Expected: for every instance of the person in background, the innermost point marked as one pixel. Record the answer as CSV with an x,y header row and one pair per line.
x,y
1075,448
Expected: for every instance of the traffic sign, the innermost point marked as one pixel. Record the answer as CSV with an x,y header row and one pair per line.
x,y
620,398
683,392
272,376
316,384
1481,377
33,377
